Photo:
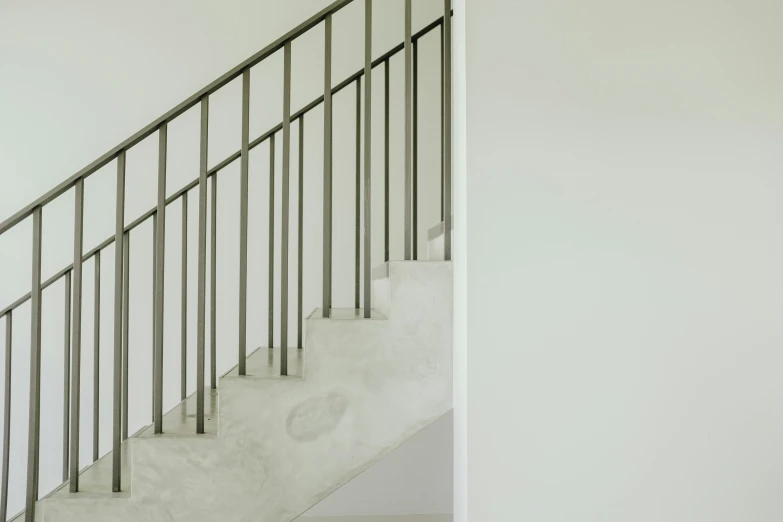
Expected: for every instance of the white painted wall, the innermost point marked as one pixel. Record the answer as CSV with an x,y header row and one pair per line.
x,y
624,277
78,79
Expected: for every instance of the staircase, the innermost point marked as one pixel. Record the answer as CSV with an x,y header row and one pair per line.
x,y
284,428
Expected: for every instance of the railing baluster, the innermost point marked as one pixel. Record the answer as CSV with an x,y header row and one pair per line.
x,y
213,292
271,288
300,222
358,218
76,345
202,263
125,329
184,303
442,119
284,209
96,358
6,416
243,210
66,373
367,154
447,131
386,160
160,256
415,154
408,128
327,207
34,429
154,302
118,276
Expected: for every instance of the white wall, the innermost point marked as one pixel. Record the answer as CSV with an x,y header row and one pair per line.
x,y
78,79
625,281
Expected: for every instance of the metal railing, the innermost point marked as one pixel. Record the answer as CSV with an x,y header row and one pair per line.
x,y
73,274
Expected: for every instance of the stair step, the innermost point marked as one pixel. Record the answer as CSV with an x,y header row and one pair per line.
x,y
264,363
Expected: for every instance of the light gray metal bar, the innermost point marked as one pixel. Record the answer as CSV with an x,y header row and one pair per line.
x,y
300,223
408,127
184,303
76,344
442,140
66,374
358,214
176,111
160,256
125,329
153,355
415,156
202,264
243,211
327,206
284,210
386,161
118,262
96,361
367,155
213,292
6,416
271,287
447,131
231,158
34,429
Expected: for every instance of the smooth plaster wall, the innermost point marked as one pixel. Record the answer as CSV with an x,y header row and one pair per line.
x,y
625,263
78,79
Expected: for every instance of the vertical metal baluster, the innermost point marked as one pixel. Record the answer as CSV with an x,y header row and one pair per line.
x,y
6,416
386,160
96,357
300,222
415,153
408,128
271,300
358,219
66,374
213,292
76,345
367,154
118,257
160,257
327,208
154,313
243,210
202,263
125,329
442,104
34,429
184,302
284,209
447,131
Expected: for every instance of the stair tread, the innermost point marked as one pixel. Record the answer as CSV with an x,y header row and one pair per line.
x,y
264,363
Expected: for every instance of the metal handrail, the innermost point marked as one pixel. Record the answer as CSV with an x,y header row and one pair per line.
x,y
121,238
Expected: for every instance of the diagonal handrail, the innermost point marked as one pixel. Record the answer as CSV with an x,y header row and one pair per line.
x,y
193,184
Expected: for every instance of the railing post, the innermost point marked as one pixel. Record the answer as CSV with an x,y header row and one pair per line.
x,y
415,156
76,345
34,428
118,276
358,218
154,312
408,127
243,211
442,118
284,209
6,416
327,207
271,288
125,329
96,360
367,155
300,222
66,373
184,303
202,263
447,218
160,246
386,160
